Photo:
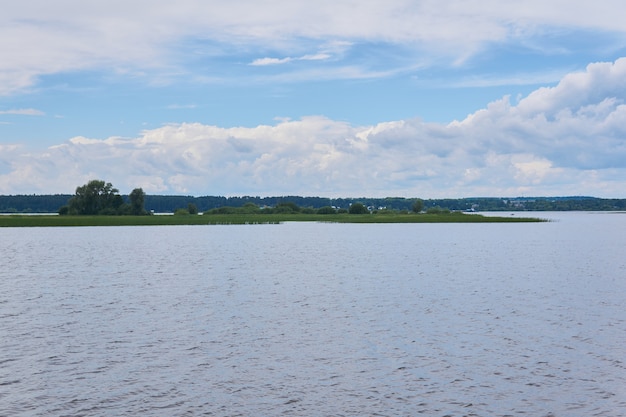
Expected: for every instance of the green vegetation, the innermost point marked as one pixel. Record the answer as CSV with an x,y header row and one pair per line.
x,y
137,201
418,205
248,218
100,198
437,210
326,210
169,203
190,210
358,208
97,203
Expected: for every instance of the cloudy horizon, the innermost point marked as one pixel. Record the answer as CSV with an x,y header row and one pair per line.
x,y
411,99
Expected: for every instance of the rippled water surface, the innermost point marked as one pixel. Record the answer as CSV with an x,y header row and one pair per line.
x,y
313,319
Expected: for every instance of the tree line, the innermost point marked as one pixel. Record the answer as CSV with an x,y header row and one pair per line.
x,y
114,203
289,208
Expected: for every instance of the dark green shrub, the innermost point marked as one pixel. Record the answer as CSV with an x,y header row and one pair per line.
x,y
222,210
358,208
326,210
437,210
250,208
287,207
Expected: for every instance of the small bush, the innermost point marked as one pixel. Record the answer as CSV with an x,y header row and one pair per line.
x,y
287,207
437,210
326,210
250,208
222,210
358,208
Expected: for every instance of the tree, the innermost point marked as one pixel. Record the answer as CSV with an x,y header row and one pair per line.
x,y
137,198
192,209
418,205
95,197
358,208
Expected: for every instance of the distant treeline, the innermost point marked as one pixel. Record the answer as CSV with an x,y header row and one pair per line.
x,y
170,203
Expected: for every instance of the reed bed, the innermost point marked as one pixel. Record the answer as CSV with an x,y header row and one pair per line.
x,y
254,218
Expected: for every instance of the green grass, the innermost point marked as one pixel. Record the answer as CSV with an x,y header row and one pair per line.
x,y
212,219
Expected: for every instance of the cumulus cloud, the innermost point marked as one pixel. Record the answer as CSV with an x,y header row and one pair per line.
x,y
576,90
549,143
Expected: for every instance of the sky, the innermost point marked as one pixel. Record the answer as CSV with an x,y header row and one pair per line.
x,y
332,98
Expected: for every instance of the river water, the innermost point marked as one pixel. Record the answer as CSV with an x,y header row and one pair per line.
x,y
315,319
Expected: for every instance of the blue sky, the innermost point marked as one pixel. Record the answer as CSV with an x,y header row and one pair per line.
x,y
369,98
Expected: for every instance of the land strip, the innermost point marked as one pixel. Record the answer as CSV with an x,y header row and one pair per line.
x,y
217,219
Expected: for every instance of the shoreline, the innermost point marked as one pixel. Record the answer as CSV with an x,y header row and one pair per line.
x,y
234,219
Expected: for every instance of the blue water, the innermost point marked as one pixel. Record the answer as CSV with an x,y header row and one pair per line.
x,y
314,319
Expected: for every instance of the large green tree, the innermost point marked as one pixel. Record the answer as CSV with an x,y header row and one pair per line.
x,y
137,200
418,205
95,197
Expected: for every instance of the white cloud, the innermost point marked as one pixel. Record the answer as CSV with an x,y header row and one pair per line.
x,y
181,106
550,143
277,61
153,38
270,61
23,112
600,80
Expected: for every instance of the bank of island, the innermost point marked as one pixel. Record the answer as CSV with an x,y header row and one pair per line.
x,y
98,203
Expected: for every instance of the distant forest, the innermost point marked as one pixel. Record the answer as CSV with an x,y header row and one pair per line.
x,y
170,203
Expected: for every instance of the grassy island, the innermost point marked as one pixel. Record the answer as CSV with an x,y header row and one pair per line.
x,y
253,218
98,203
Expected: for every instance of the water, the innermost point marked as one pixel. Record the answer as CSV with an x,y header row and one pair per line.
x,y
314,319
